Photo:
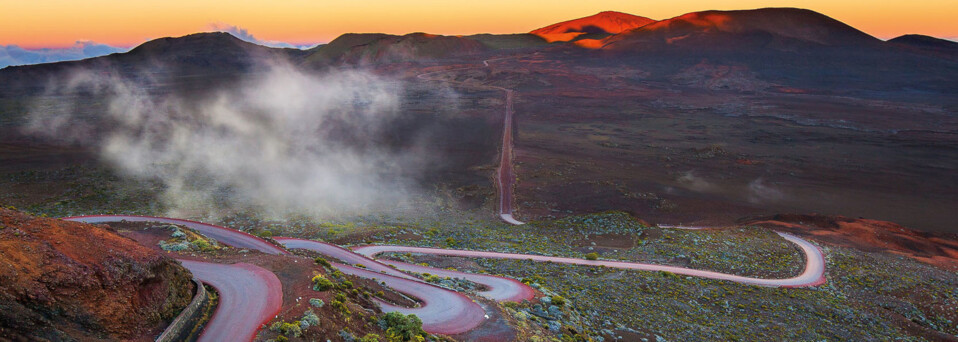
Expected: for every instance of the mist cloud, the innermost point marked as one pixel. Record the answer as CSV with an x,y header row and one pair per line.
x,y
692,182
759,192
243,34
283,141
15,55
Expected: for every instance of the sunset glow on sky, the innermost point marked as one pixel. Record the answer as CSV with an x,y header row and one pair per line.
x,y
58,23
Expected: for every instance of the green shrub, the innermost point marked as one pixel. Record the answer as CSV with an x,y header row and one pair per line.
x,y
316,302
370,338
323,262
309,319
289,329
202,245
341,307
401,327
265,234
592,256
320,283
451,242
558,300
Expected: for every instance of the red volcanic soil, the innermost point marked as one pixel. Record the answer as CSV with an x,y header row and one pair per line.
x,y
64,280
871,235
604,23
760,26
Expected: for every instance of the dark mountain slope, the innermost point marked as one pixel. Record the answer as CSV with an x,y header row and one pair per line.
x,y
782,28
368,48
214,53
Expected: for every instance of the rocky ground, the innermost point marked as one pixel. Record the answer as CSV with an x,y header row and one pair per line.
x,y
66,280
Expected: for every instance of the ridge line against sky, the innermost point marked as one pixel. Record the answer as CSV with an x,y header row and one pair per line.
x,y
60,23
21,52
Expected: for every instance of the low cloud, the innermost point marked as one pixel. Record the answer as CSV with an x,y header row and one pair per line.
x,y
285,141
15,55
243,34
692,182
759,192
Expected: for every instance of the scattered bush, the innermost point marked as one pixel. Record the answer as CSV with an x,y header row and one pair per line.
x,y
558,300
320,283
316,302
323,262
401,327
174,247
309,319
341,307
592,256
370,338
289,329
202,245
451,242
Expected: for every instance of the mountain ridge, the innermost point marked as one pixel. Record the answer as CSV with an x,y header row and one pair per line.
x,y
597,25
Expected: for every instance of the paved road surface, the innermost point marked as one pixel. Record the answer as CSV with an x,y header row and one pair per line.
x,y
498,288
231,237
505,178
442,311
813,275
250,296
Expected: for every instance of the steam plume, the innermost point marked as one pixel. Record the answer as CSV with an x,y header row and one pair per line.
x,y
283,141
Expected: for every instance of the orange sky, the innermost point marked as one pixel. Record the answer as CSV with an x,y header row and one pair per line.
x,y
57,23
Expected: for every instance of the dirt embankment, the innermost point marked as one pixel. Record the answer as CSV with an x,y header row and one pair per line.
x,y
64,280
871,235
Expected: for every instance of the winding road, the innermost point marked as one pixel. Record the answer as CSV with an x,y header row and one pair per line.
x,y
442,310
251,296
231,237
497,288
812,275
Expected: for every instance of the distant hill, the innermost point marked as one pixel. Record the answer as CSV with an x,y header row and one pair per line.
x,y
927,45
596,26
922,41
509,41
366,48
212,53
780,28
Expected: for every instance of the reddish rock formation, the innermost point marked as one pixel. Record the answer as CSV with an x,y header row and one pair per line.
x,y
65,280
872,235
